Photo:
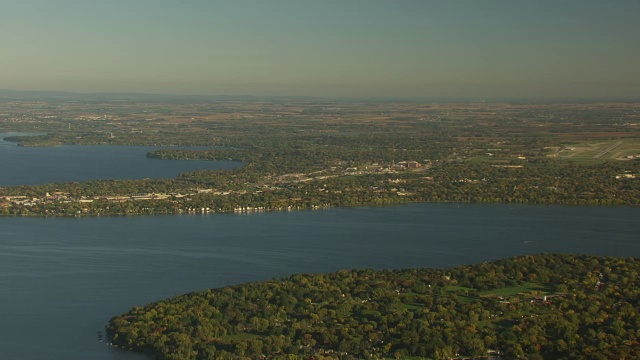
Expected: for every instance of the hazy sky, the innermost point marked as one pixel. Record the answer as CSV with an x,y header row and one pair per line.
x,y
417,48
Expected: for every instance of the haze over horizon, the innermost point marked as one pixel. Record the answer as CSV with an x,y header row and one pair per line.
x,y
353,48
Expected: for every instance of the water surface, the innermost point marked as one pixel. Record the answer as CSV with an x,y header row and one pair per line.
x,y
20,165
61,279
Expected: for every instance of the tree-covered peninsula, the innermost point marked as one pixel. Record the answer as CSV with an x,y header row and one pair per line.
x,y
540,306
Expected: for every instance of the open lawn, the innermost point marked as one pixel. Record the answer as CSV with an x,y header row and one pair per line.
x,y
452,288
466,294
600,150
514,290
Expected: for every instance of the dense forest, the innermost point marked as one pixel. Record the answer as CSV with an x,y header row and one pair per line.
x,y
538,306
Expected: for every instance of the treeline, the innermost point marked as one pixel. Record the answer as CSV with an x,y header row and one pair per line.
x,y
545,182
189,154
583,307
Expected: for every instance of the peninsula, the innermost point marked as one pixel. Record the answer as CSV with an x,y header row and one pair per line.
x,y
534,307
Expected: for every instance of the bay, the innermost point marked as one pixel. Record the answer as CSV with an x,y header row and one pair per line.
x,y
61,279
21,165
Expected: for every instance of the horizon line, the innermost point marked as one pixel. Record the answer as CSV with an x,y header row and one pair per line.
x,y
9,94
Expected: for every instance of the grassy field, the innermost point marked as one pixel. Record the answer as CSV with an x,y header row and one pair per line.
x,y
592,152
528,287
515,290
452,288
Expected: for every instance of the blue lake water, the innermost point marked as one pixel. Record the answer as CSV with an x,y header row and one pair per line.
x,y
39,165
62,279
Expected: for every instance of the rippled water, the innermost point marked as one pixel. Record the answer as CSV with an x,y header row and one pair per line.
x,y
61,279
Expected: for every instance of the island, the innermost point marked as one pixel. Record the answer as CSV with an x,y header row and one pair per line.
x,y
535,306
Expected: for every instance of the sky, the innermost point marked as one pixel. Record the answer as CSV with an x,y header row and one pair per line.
x,y
332,48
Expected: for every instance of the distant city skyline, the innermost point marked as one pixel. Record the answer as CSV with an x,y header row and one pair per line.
x,y
330,48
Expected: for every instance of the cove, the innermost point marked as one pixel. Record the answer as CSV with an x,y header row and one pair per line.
x,y
40,165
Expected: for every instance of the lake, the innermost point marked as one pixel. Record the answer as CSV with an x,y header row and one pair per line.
x,y
21,165
62,279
